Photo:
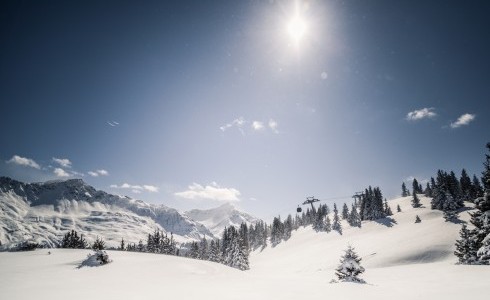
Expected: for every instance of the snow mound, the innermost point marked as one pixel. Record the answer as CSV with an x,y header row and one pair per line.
x,y
96,259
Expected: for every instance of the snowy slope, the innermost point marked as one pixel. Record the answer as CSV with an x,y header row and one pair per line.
x,y
45,211
218,218
405,261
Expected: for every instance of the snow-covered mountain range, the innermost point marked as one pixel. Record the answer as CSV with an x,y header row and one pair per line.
x,y
216,219
44,212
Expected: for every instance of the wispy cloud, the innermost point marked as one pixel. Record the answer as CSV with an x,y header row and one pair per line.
x,y
97,173
463,120
238,123
64,162
24,161
61,173
136,188
257,125
112,123
209,192
273,125
424,113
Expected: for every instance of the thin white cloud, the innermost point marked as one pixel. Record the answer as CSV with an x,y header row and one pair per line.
x,y
257,125
210,192
273,125
61,173
24,161
97,173
419,114
112,123
64,162
238,123
136,187
463,120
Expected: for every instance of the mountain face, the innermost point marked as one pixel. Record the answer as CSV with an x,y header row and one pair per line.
x,y
44,212
218,218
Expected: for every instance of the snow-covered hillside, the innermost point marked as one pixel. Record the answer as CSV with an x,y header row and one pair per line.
x,y
45,211
403,260
218,218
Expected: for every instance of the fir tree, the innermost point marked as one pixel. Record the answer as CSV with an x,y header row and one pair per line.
x,y
398,208
476,188
122,246
350,266
466,186
416,201
428,190
98,244
415,187
387,209
327,224
345,212
466,250
417,219
404,190
336,220
354,218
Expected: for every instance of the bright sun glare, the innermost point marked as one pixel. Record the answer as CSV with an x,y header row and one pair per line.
x,y
296,28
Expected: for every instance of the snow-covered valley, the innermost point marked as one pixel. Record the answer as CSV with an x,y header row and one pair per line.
x,y
403,260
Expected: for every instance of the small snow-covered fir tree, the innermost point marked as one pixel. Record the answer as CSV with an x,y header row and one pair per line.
x,y
327,224
465,247
336,220
98,244
350,267
345,212
398,208
417,219
416,200
354,217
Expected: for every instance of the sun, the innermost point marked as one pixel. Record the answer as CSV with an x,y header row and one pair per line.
x,y
297,28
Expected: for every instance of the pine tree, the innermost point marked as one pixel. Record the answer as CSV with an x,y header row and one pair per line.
x,y
404,190
428,190
336,220
416,201
415,187
345,212
98,244
350,267
466,250
398,208
319,225
417,219
466,186
327,225
476,188
354,218
387,209
122,246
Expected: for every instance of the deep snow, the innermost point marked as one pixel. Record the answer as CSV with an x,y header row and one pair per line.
x,y
403,260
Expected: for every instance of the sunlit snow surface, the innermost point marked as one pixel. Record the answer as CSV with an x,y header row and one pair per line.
x,y
404,261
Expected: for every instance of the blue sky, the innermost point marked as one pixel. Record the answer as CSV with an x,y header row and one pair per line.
x,y
194,104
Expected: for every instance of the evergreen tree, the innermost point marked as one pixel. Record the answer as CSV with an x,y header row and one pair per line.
x,y
465,247
417,219
288,227
319,224
354,218
98,244
203,249
277,231
327,224
345,212
387,209
466,186
404,190
416,201
398,208
336,220
122,246
428,190
350,266
415,187
476,188
141,246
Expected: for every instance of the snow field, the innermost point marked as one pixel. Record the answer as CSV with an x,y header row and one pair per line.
x,y
404,261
